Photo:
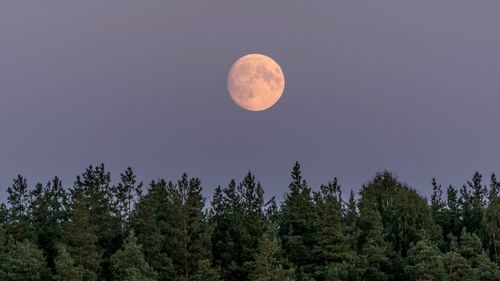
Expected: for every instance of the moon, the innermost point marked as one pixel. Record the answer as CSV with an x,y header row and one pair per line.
x,y
255,82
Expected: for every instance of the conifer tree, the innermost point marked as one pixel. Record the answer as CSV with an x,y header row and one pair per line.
x,y
82,240
237,218
473,201
150,220
375,253
48,216
351,222
425,262
451,214
486,269
458,268
269,264
93,193
492,221
65,269
332,256
126,194
189,238
494,191
128,263
298,224
206,272
23,262
18,216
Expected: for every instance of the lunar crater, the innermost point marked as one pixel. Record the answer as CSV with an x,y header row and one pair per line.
x,y
255,82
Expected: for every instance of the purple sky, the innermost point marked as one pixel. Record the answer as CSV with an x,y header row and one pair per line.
x,y
409,86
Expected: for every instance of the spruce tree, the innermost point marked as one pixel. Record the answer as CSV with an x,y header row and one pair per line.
x,y
206,272
451,214
269,264
332,256
48,216
93,192
458,268
23,262
375,253
298,227
18,216
150,221
189,237
65,269
425,261
473,201
351,222
238,219
492,221
127,192
128,263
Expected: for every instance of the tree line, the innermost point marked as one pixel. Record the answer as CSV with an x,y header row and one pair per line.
x,y
96,230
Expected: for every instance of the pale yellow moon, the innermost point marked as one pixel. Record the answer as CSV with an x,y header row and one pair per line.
x,y
255,82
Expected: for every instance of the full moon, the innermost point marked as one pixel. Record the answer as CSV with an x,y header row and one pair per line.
x,y
255,82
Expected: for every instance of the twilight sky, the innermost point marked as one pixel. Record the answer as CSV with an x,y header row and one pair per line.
x,y
409,86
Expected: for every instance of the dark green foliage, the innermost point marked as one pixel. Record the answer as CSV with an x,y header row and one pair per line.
x,y
473,202
269,264
18,215
425,261
238,222
298,228
23,261
48,216
128,263
351,223
126,194
404,213
104,232
65,268
376,252
189,240
150,222
457,267
332,254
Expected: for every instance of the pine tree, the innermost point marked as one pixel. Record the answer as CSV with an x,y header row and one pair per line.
x,y
492,221
127,192
332,256
298,224
49,215
451,214
128,263
189,238
269,264
473,202
458,268
425,261
494,188
238,219
470,246
206,272
65,266
351,223
94,194
375,253
18,217
150,221
24,262
486,270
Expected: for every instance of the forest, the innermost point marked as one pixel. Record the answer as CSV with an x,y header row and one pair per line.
x,y
98,229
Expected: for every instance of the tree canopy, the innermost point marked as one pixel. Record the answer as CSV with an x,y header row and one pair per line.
x,y
96,229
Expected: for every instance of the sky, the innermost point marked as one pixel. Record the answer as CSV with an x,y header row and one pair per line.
x,y
408,86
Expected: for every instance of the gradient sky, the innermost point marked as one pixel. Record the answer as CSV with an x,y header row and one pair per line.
x,y
409,86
